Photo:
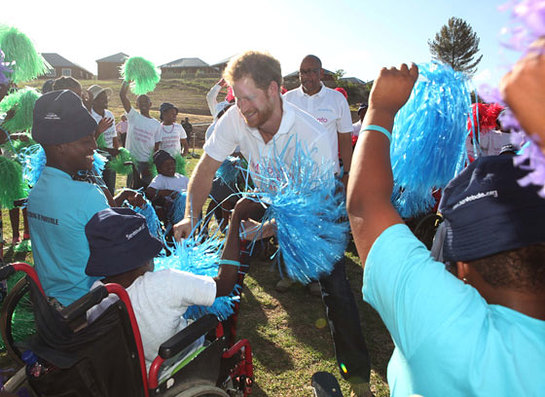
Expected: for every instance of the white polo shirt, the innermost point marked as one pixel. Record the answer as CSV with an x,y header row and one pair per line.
x,y
327,106
110,133
296,125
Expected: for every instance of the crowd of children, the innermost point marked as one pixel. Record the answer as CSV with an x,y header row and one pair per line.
x,y
467,318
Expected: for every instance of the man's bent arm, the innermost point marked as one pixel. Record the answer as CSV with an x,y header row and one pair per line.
x,y
370,187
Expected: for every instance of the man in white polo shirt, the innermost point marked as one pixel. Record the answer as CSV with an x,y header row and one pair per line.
x,y
327,106
262,124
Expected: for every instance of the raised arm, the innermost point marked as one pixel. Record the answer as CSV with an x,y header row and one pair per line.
x,y
523,89
371,182
197,192
123,96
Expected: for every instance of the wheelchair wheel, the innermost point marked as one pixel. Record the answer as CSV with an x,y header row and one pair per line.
x,y
17,318
203,391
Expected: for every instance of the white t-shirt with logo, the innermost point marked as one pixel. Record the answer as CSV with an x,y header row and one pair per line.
x,y
178,182
159,300
295,126
327,106
110,133
142,135
170,136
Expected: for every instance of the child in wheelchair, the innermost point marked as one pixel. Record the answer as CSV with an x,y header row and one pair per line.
x,y
122,252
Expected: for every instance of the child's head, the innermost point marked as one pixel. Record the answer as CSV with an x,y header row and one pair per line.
x,y
123,117
120,245
168,113
165,163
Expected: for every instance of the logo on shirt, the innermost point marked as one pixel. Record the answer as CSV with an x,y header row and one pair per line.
x,y
322,120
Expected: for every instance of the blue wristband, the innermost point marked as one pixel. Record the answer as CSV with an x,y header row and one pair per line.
x,y
229,262
378,128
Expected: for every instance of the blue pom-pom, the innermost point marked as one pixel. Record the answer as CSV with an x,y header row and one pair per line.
x,y
177,211
309,212
202,259
428,139
99,163
33,160
152,220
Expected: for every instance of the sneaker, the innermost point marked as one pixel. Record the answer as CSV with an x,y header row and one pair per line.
x,y
315,289
360,390
283,285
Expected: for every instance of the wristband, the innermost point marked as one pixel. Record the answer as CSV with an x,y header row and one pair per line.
x,y
378,128
229,262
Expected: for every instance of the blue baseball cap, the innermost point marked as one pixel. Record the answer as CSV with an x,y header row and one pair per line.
x,y
486,211
60,117
119,241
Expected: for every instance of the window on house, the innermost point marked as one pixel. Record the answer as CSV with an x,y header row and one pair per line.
x,y
66,72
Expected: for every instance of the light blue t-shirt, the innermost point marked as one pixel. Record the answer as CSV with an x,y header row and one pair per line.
x,y
449,341
58,210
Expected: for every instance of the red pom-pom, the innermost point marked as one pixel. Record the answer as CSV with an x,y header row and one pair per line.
x,y
488,114
342,91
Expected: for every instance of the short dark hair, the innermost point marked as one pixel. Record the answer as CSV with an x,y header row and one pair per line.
x,y
521,269
314,58
261,67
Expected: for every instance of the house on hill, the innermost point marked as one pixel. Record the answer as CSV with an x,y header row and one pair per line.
x,y
187,67
109,68
291,80
61,66
221,65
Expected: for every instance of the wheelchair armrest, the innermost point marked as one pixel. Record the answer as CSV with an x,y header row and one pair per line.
x,y
79,308
187,336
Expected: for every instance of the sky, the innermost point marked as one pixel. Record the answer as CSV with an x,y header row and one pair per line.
x,y
359,37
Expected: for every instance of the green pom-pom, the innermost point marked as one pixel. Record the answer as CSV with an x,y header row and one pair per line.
x,y
12,187
101,141
116,163
18,144
22,101
27,64
142,73
180,165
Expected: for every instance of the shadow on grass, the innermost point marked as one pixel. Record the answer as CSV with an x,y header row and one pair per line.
x,y
306,318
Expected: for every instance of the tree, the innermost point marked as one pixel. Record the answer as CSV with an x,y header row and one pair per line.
x,y
338,74
456,44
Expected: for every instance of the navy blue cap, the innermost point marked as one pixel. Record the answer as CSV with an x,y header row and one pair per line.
x,y
119,241
160,156
60,117
486,211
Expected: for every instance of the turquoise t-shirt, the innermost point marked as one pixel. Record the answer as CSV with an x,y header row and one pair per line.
x,y
449,341
58,210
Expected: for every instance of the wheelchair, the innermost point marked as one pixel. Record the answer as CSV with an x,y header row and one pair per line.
x,y
106,358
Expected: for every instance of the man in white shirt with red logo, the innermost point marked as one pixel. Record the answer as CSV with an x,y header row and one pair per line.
x,y
327,106
265,125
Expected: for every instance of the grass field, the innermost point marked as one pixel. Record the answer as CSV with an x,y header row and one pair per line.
x,y
288,333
